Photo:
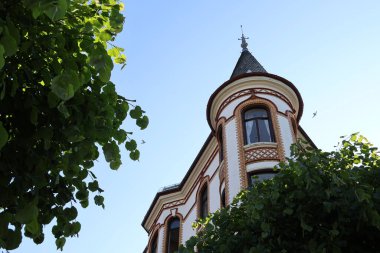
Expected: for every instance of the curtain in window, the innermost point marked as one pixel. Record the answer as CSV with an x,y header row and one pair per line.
x,y
258,127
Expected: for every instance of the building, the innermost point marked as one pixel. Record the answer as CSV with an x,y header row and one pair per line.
x,y
254,120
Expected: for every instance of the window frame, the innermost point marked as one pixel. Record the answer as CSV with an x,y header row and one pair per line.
x,y
270,122
220,142
169,235
223,202
203,202
258,172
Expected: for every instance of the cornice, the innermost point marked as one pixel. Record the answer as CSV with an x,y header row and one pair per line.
x,y
280,84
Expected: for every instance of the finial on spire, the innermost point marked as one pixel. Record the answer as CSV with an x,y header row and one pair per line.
x,y
244,43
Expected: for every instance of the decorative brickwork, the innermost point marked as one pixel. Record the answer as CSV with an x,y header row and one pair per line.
x,y
166,223
254,101
204,183
235,96
222,172
174,203
222,122
274,93
261,153
253,92
293,125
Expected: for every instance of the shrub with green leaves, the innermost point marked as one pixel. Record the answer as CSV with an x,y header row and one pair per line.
x,y
318,202
57,107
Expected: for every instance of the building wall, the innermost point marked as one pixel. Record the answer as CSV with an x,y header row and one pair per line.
x,y
232,172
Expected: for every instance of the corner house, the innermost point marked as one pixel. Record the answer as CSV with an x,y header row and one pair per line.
x,y
253,119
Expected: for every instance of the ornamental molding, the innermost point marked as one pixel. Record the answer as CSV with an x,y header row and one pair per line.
x,y
260,154
253,92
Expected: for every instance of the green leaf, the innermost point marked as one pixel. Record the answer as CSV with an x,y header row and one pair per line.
x,y
3,136
82,195
121,59
84,203
33,227
56,9
71,213
131,145
114,165
136,112
113,52
53,100
39,239
9,43
63,109
2,60
93,186
27,214
76,226
135,155
105,35
120,136
65,85
12,239
60,242
306,226
99,200
111,151
34,115
2,95
142,122
102,62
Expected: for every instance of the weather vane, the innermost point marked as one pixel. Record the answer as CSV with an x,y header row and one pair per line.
x,y
243,39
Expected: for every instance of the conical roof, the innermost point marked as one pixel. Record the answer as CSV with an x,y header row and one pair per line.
x,y
247,63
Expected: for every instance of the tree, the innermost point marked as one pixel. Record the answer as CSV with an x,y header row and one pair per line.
x,y
318,202
57,107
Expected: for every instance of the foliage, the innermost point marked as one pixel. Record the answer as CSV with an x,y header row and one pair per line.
x,y
57,107
318,202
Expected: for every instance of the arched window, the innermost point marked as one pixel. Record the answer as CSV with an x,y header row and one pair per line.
x,y
258,176
220,139
223,198
172,244
257,126
203,203
153,245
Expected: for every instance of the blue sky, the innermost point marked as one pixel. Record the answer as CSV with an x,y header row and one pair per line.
x,y
179,52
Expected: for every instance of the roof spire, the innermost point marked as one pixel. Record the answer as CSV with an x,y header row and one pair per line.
x,y
247,63
244,43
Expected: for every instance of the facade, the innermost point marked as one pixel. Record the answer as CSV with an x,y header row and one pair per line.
x,y
254,120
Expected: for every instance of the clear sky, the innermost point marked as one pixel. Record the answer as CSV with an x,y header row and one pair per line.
x,y
179,52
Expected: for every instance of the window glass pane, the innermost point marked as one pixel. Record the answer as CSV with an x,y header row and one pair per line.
x,y
260,113
264,130
220,137
261,176
204,204
173,236
251,132
174,223
223,198
255,113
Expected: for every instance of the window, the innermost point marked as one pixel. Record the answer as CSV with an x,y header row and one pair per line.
x,y
220,139
258,176
223,198
153,246
257,126
203,203
173,235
